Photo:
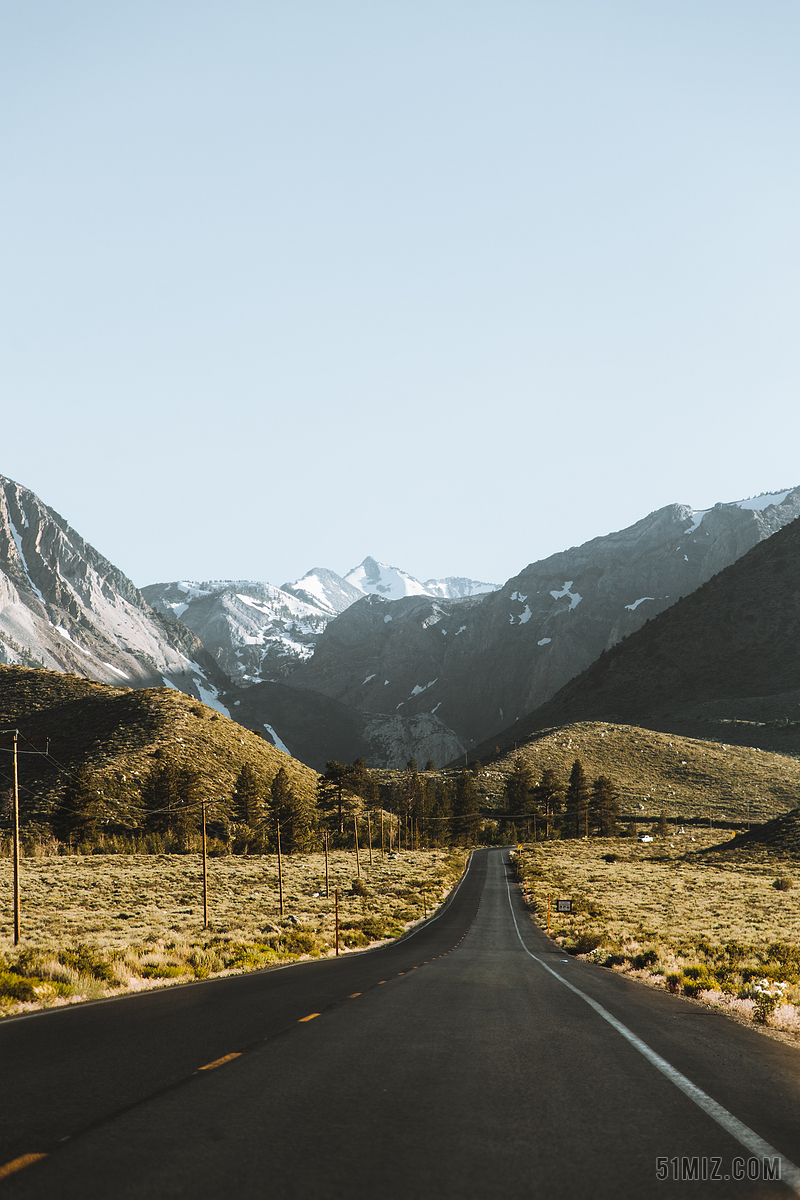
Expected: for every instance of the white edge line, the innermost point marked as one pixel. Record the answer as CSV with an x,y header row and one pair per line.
x,y
790,1175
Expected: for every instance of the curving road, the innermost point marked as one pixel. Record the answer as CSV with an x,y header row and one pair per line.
x,y
470,1059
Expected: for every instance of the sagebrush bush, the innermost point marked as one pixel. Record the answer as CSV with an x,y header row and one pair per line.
x,y
16,987
88,961
585,943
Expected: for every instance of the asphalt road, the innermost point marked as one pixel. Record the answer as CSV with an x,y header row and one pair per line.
x,y
471,1059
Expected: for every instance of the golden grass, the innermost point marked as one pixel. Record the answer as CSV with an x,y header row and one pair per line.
x,y
716,919
93,925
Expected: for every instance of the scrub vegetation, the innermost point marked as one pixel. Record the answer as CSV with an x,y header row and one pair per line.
x,y
97,925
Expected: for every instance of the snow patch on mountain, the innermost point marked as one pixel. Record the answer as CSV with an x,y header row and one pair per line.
x,y
574,597
633,607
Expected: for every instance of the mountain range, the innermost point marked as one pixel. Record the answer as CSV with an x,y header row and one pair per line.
x,y
373,663
483,662
257,631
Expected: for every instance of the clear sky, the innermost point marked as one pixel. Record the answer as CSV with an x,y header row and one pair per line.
x,y
455,283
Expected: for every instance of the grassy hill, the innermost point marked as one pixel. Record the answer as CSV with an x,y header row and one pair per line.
x,y
121,734
687,777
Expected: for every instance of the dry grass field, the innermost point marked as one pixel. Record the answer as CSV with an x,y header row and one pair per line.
x,y
714,927
94,925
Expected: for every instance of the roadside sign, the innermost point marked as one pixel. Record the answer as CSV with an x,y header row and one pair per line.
x,y
519,847
564,906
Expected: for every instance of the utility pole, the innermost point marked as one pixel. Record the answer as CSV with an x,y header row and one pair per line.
x,y
383,851
16,842
369,835
15,851
205,870
336,920
327,882
280,870
355,830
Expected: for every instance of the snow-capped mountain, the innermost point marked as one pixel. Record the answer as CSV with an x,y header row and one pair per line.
x,y
482,662
325,590
253,631
256,631
375,578
64,606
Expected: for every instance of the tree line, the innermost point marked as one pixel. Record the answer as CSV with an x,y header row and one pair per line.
x,y
164,810
549,807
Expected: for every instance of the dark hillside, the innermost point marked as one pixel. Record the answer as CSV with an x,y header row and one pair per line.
x,y
120,733
723,663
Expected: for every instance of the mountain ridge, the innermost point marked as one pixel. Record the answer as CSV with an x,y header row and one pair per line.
x,y
483,661
732,644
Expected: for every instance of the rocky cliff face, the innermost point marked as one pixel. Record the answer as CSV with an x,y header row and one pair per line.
x,y
483,662
254,631
64,606
316,728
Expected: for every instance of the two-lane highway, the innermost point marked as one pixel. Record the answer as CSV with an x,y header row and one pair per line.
x,y
470,1059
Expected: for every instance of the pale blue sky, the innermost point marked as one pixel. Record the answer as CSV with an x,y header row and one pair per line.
x,y
456,284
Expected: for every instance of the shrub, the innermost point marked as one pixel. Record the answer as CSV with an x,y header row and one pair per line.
x,y
161,971
585,943
358,888
378,928
203,962
783,883
299,941
696,980
615,960
674,981
354,937
648,959
16,987
87,961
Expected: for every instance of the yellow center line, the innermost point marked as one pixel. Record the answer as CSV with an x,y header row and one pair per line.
x,y
380,981
310,1017
353,996
219,1061
17,1164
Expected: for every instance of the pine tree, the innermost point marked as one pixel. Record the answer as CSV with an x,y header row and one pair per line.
x,y
361,782
466,813
81,810
440,812
549,799
576,802
171,799
604,807
292,814
520,789
430,765
247,799
331,790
